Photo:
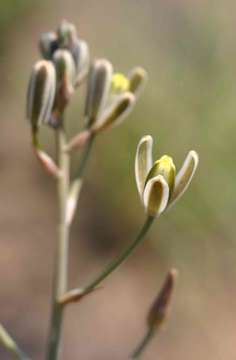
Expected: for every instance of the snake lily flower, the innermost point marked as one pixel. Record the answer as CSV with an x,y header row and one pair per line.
x,y
158,184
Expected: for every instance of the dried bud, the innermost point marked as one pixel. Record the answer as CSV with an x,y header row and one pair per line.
x,y
65,71
185,175
48,44
160,309
41,93
117,112
165,167
67,35
137,80
156,196
98,89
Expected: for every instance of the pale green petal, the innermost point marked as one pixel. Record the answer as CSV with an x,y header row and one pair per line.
x,y
185,175
116,112
156,196
143,161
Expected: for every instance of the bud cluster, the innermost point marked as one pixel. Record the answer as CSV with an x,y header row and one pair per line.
x,y
54,78
157,183
66,63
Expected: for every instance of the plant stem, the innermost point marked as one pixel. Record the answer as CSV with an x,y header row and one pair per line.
x,y
85,156
122,258
8,342
61,266
143,344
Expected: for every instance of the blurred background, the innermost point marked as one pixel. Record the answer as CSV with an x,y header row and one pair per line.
x,y
189,50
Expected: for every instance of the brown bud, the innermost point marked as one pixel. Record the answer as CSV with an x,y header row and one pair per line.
x,y
160,309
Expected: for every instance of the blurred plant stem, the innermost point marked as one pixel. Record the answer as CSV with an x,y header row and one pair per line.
x,y
138,352
7,341
122,258
61,261
85,157
77,294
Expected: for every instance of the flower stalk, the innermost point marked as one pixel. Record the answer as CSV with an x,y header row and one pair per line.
x,y
61,266
114,265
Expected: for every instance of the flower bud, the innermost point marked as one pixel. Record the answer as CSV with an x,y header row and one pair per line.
x,y
143,162
137,80
98,89
185,175
161,307
80,54
119,83
67,35
41,92
156,196
65,71
116,113
48,44
165,167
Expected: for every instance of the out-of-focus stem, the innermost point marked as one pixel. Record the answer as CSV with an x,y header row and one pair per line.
x,y
143,344
61,266
85,156
77,294
122,258
7,341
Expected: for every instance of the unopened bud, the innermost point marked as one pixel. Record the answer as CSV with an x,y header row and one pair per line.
x,y
65,71
137,80
99,83
48,44
67,35
41,93
161,307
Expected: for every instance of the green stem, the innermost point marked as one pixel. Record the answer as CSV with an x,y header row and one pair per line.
x,y
61,266
143,344
122,258
8,342
85,156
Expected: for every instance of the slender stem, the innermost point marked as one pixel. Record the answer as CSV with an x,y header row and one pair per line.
x,y
8,342
85,156
143,344
61,266
122,258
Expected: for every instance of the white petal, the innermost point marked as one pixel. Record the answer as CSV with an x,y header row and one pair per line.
x,y
185,175
143,161
156,195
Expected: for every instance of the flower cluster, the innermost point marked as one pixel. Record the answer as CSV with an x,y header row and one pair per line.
x,y
65,65
157,183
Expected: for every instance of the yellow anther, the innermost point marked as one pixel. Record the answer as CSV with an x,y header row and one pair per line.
x,y
120,83
165,167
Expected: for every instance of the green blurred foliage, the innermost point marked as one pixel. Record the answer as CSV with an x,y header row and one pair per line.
x,y
10,9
